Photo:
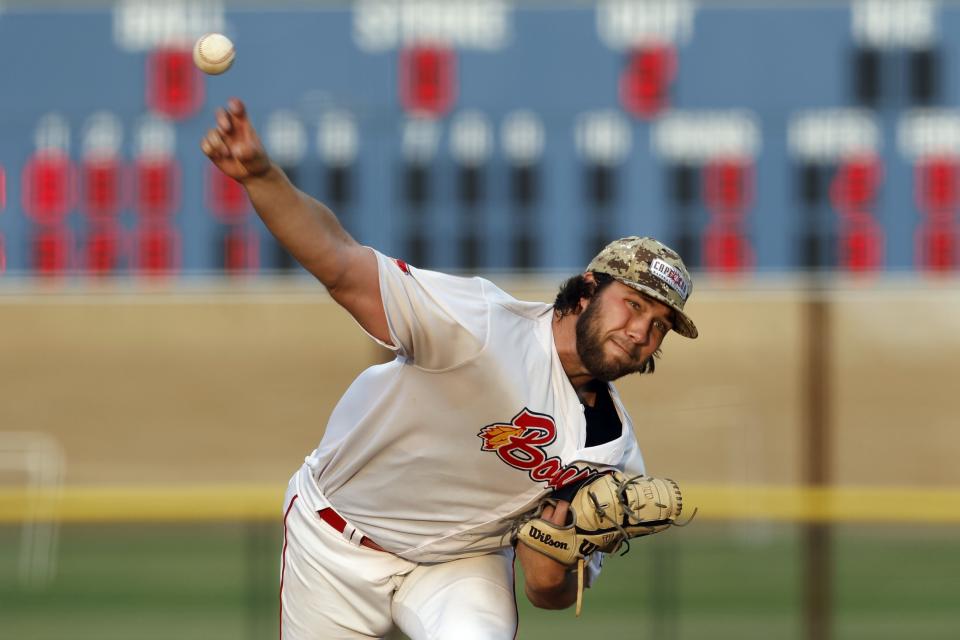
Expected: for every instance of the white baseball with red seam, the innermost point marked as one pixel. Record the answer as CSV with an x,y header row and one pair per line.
x,y
213,53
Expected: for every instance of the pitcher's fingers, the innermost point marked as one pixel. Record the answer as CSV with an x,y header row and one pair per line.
x,y
217,144
211,149
559,515
224,121
236,108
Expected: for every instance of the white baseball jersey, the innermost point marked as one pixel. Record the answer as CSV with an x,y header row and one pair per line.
x,y
433,454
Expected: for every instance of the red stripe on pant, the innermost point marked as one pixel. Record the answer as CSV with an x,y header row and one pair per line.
x,y
283,560
336,521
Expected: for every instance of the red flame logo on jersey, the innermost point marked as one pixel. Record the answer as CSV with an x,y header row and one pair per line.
x,y
521,442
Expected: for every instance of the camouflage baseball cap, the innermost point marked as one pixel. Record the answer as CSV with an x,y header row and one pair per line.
x,y
653,268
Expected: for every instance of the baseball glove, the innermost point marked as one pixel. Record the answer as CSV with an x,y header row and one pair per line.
x,y
605,513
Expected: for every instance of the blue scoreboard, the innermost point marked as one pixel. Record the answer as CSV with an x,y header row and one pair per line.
x,y
488,134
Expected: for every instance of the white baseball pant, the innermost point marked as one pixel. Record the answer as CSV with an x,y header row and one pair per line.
x,y
333,588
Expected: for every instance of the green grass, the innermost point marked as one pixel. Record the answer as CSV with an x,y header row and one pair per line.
x,y
709,581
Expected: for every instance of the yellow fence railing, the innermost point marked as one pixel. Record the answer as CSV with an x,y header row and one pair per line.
x,y
906,504
221,503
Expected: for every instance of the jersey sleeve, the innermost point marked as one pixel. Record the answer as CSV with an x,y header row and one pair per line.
x,y
592,568
436,320
633,460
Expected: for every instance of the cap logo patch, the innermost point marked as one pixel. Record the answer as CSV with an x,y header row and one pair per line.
x,y
671,275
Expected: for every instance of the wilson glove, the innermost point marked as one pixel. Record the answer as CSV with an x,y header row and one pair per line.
x,y
605,513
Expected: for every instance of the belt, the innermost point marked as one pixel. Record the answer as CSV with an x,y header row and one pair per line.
x,y
336,521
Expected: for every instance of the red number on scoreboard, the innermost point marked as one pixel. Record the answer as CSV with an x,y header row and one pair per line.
x,y
158,250
428,82
158,188
103,250
51,251
645,82
861,245
174,85
102,189
48,187
240,250
936,180
937,247
726,249
728,186
225,197
855,185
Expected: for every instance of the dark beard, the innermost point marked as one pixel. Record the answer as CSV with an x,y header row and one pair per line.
x,y
590,347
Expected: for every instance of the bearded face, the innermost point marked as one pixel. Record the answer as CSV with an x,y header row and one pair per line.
x,y
605,363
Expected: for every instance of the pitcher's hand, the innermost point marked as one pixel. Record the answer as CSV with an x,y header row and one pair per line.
x,y
234,146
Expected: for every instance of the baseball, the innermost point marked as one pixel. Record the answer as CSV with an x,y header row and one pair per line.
x,y
213,53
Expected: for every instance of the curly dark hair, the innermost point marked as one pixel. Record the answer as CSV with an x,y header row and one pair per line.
x,y
576,288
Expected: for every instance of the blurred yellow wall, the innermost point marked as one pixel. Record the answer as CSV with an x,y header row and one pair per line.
x,y
234,384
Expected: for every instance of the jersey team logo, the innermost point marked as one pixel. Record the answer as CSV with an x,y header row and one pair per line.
x,y
521,444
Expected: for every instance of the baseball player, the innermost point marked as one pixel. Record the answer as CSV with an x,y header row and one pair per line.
x,y
440,468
